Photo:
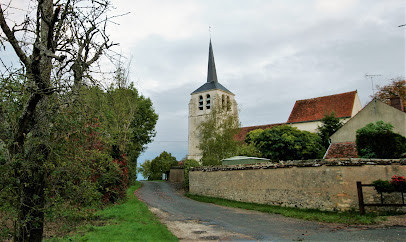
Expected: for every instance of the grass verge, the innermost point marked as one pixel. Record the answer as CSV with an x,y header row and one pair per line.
x,y
129,221
307,214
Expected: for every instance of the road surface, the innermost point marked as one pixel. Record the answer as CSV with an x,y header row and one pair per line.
x,y
192,220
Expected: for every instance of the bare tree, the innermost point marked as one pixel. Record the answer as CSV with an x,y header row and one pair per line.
x,y
57,44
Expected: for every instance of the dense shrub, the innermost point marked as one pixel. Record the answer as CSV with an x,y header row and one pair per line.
x,y
397,184
248,150
379,141
288,143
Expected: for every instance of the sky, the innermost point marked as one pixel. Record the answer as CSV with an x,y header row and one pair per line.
x,y
269,53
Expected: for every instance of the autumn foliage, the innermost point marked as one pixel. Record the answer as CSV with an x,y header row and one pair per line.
x,y
397,88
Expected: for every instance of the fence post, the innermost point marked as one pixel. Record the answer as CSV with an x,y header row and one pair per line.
x,y
360,198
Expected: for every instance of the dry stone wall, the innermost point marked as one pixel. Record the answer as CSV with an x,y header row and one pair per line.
x,y
321,184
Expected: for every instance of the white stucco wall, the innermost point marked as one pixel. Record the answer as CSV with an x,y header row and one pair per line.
x,y
374,111
357,105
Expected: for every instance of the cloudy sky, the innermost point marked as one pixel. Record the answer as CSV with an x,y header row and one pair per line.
x,y
269,53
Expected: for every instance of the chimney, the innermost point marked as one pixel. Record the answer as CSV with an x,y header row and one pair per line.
x,y
396,102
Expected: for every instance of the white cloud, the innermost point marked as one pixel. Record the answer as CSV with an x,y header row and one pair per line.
x,y
269,53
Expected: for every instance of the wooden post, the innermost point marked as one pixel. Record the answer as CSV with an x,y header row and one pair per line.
x,y
360,198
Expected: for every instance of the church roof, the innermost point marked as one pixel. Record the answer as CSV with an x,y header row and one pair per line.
x,y
315,108
212,82
240,136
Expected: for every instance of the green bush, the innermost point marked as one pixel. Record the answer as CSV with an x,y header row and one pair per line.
x,y
397,184
379,141
383,186
248,150
288,143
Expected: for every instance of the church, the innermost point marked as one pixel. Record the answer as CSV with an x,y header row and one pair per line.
x,y
202,101
306,114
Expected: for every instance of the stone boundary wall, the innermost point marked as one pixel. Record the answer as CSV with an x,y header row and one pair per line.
x,y
177,175
321,184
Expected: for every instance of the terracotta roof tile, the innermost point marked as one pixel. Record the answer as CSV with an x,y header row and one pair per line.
x,y
315,108
244,130
342,150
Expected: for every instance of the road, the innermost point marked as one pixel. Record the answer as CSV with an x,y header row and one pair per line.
x,y
191,220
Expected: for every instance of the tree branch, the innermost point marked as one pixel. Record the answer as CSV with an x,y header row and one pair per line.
x,y
12,39
48,52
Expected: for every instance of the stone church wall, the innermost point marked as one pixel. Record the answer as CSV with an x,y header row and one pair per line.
x,y
324,184
197,116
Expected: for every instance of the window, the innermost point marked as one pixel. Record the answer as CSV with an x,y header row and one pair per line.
x,y
228,103
200,102
208,101
223,102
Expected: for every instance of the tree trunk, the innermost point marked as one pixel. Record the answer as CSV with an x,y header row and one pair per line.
x,y
30,223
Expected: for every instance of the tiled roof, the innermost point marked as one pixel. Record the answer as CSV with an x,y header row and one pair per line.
x,y
315,108
342,150
244,130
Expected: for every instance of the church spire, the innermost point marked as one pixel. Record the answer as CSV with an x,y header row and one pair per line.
x,y
212,82
211,70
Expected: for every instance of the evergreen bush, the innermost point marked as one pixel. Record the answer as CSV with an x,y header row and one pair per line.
x,y
288,143
379,141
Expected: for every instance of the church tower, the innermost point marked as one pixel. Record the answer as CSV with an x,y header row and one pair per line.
x,y
202,101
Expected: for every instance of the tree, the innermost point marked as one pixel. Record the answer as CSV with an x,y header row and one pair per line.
x,y
253,135
217,135
129,117
330,124
161,165
56,44
397,88
288,143
145,169
379,141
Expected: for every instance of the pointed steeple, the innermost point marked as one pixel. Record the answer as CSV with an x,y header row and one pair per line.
x,y
211,69
212,82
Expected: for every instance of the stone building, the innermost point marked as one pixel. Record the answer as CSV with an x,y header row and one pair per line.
x,y
202,101
343,141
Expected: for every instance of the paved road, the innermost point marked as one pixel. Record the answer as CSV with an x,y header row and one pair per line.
x,y
189,219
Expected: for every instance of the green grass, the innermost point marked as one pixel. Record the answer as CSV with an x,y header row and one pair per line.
x,y
129,221
307,214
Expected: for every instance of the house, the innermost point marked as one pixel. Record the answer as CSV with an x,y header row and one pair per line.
x,y
343,141
307,114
